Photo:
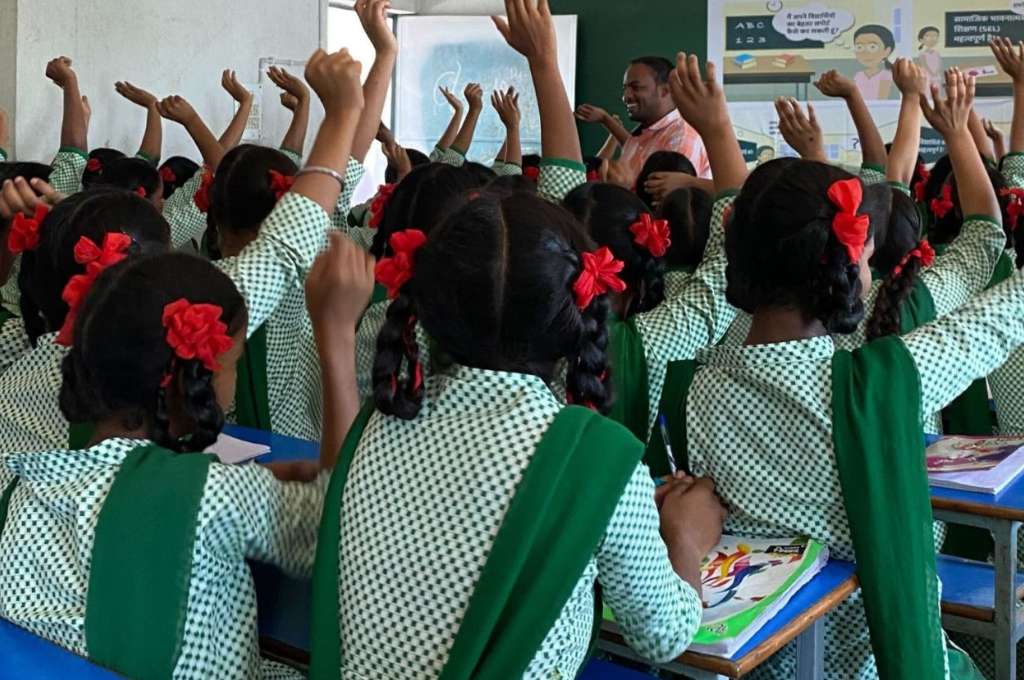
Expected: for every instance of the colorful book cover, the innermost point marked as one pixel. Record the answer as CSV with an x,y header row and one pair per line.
x,y
980,464
784,60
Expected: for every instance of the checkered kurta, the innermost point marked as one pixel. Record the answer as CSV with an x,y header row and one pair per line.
x,y
1007,382
13,342
354,172
187,222
46,552
416,537
503,169
557,179
872,174
30,417
762,428
449,156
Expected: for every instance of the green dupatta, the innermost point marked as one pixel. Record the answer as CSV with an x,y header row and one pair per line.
x,y
142,562
629,377
551,530
252,406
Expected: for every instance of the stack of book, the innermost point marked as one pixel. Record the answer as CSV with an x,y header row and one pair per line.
x,y
745,61
784,60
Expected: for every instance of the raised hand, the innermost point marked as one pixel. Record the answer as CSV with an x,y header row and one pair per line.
x,y
800,131
135,95
335,79
1010,56
996,135
295,92
507,105
910,78
339,285
529,29
373,15
700,99
229,81
20,196
834,84
475,96
60,72
398,158
589,113
452,99
178,109
950,115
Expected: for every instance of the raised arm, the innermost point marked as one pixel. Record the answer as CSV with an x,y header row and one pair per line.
x,y
589,113
951,118
701,102
912,81
373,14
507,105
295,98
996,136
448,138
801,132
981,140
180,111
475,96
1011,59
73,129
609,148
152,139
236,128
832,84
530,30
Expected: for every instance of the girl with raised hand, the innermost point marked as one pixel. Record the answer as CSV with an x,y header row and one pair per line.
x,y
151,584
72,158
454,125
152,138
455,153
831,445
295,98
510,157
872,148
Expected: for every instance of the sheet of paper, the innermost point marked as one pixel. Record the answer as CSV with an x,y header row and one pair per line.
x,y
231,450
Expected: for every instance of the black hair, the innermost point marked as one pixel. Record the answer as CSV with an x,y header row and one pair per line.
x,y
423,199
506,185
131,174
607,211
900,235
416,157
661,161
883,33
480,172
531,160
91,213
100,158
661,66
176,171
782,251
925,31
688,212
946,228
120,356
240,196
492,287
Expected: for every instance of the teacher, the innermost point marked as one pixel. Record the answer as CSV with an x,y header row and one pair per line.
x,y
645,92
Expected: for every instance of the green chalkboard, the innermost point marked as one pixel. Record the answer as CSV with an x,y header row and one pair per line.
x,y
755,32
610,34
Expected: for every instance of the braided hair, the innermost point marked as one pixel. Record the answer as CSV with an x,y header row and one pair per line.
x,y
92,213
899,237
782,250
607,211
688,212
117,364
493,288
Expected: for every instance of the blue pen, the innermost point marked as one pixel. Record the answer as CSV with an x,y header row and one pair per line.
x,y
663,428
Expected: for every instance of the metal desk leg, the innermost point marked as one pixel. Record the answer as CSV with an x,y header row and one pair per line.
x,y
810,652
1005,535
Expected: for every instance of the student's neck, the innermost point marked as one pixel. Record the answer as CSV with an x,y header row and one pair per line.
x,y
772,325
113,429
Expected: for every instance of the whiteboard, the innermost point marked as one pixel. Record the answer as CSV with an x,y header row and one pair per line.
x,y
448,51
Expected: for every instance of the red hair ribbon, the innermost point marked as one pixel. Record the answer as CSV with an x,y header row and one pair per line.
x,y
922,251
652,234
167,175
141,191
593,175
1015,207
24,234
599,274
941,206
532,172
202,197
94,165
395,271
380,204
280,184
850,228
195,331
96,259
921,174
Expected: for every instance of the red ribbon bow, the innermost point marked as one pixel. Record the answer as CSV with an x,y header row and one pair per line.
x,y
593,175
921,174
24,234
280,184
923,251
1015,207
94,165
941,206
395,271
850,229
141,191
599,274
532,172
96,260
202,197
196,331
652,234
380,203
167,175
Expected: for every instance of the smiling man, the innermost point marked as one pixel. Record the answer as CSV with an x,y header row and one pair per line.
x,y
645,92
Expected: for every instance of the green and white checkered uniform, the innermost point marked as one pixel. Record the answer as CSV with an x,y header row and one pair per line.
x,y
503,169
872,174
13,342
675,283
449,156
762,429
30,417
414,538
187,222
244,513
1007,381
436,154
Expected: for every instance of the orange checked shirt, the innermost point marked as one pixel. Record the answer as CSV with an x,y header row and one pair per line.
x,y
671,133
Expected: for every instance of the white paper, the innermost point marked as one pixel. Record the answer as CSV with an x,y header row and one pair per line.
x,y
231,450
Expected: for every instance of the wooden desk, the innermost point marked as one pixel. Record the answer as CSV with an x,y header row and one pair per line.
x,y
799,72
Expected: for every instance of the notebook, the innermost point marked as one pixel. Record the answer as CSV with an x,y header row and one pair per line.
x,y
980,464
230,450
745,61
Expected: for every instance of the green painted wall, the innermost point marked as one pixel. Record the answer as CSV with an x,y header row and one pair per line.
x,y
612,33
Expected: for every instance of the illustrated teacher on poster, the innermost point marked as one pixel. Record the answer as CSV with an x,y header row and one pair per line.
x,y
645,92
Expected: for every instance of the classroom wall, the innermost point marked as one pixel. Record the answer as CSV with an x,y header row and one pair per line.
x,y
169,48
8,57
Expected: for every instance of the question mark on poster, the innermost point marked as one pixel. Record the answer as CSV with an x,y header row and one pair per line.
x,y
813,22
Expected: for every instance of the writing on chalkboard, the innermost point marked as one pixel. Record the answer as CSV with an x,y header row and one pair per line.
x,y
972,29
756,32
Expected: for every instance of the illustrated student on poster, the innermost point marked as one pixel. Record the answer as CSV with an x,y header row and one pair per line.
x,y
873,45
